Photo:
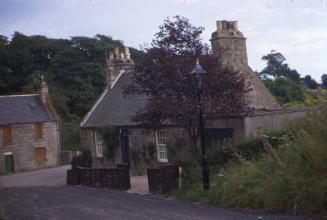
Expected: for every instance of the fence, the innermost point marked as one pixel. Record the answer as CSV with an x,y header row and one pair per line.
x,y
162,179
112,178
66,156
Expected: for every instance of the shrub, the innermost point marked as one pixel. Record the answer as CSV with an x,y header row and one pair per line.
x,y
248,148
148,152
82,160
290,175
285,90
70,135
111,139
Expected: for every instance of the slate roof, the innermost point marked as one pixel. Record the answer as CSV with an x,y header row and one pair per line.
x,y
19,109
113,108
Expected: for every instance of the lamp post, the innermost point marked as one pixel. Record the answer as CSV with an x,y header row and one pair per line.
x,y
198,72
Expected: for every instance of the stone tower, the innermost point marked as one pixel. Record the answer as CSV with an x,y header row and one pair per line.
x,y
118,63
229,46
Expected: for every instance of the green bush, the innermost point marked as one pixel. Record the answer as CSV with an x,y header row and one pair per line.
x,y
248,148
148,152
70,135
285,90
82,160
290,175
111,139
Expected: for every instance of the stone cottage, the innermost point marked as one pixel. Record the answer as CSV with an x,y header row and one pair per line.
x,y
146,148
29,132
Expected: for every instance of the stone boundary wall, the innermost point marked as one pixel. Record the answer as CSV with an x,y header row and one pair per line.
x,y
260,122
112,178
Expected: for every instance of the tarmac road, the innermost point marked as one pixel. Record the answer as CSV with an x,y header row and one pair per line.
x,y
63,202
42,194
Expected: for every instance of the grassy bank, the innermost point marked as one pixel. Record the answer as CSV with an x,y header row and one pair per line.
x,y
289,175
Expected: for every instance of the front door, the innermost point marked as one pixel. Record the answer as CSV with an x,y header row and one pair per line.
x,y
125,146
9,163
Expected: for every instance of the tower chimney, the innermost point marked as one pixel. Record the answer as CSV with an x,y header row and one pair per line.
x,y
42,88
228,45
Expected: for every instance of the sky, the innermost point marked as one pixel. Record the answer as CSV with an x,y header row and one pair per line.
x,y
295,28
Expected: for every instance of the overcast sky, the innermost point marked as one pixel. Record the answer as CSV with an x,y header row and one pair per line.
x,y
296,28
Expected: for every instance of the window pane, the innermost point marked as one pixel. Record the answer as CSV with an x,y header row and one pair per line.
x,y
98,144
161,145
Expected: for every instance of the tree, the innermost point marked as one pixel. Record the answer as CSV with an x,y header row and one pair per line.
x,y
163,75
5,71
276,67
309,82
73,68
285,90
324,81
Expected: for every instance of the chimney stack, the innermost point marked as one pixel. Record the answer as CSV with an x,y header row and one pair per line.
x,y
118,62
42,88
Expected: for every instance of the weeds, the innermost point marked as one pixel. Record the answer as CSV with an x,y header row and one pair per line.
x,y
288,175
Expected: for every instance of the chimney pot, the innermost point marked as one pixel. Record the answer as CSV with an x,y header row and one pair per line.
x,y
219,25
127,54
111,56
122,56
117,53
235,26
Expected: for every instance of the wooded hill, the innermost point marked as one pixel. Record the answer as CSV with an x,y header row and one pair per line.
x,y
73,68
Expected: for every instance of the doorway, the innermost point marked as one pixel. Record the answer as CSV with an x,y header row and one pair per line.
x,y
9,162
125,146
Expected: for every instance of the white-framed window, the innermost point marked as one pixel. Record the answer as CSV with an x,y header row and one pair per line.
x,y
98,144
161,145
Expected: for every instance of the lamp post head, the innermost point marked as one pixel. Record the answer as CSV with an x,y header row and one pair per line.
x,y
198,70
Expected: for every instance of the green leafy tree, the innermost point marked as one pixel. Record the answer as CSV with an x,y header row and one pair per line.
x,y
310,82
285,90
324,81
276,67
73,68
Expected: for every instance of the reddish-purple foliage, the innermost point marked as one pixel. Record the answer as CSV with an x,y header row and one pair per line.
x,y
163,75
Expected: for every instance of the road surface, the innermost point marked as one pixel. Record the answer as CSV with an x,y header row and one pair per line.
x,y
43,195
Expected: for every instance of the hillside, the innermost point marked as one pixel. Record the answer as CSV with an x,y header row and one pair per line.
x,y
73,68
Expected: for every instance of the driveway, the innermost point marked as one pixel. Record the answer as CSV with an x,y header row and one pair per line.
x,y
43,195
